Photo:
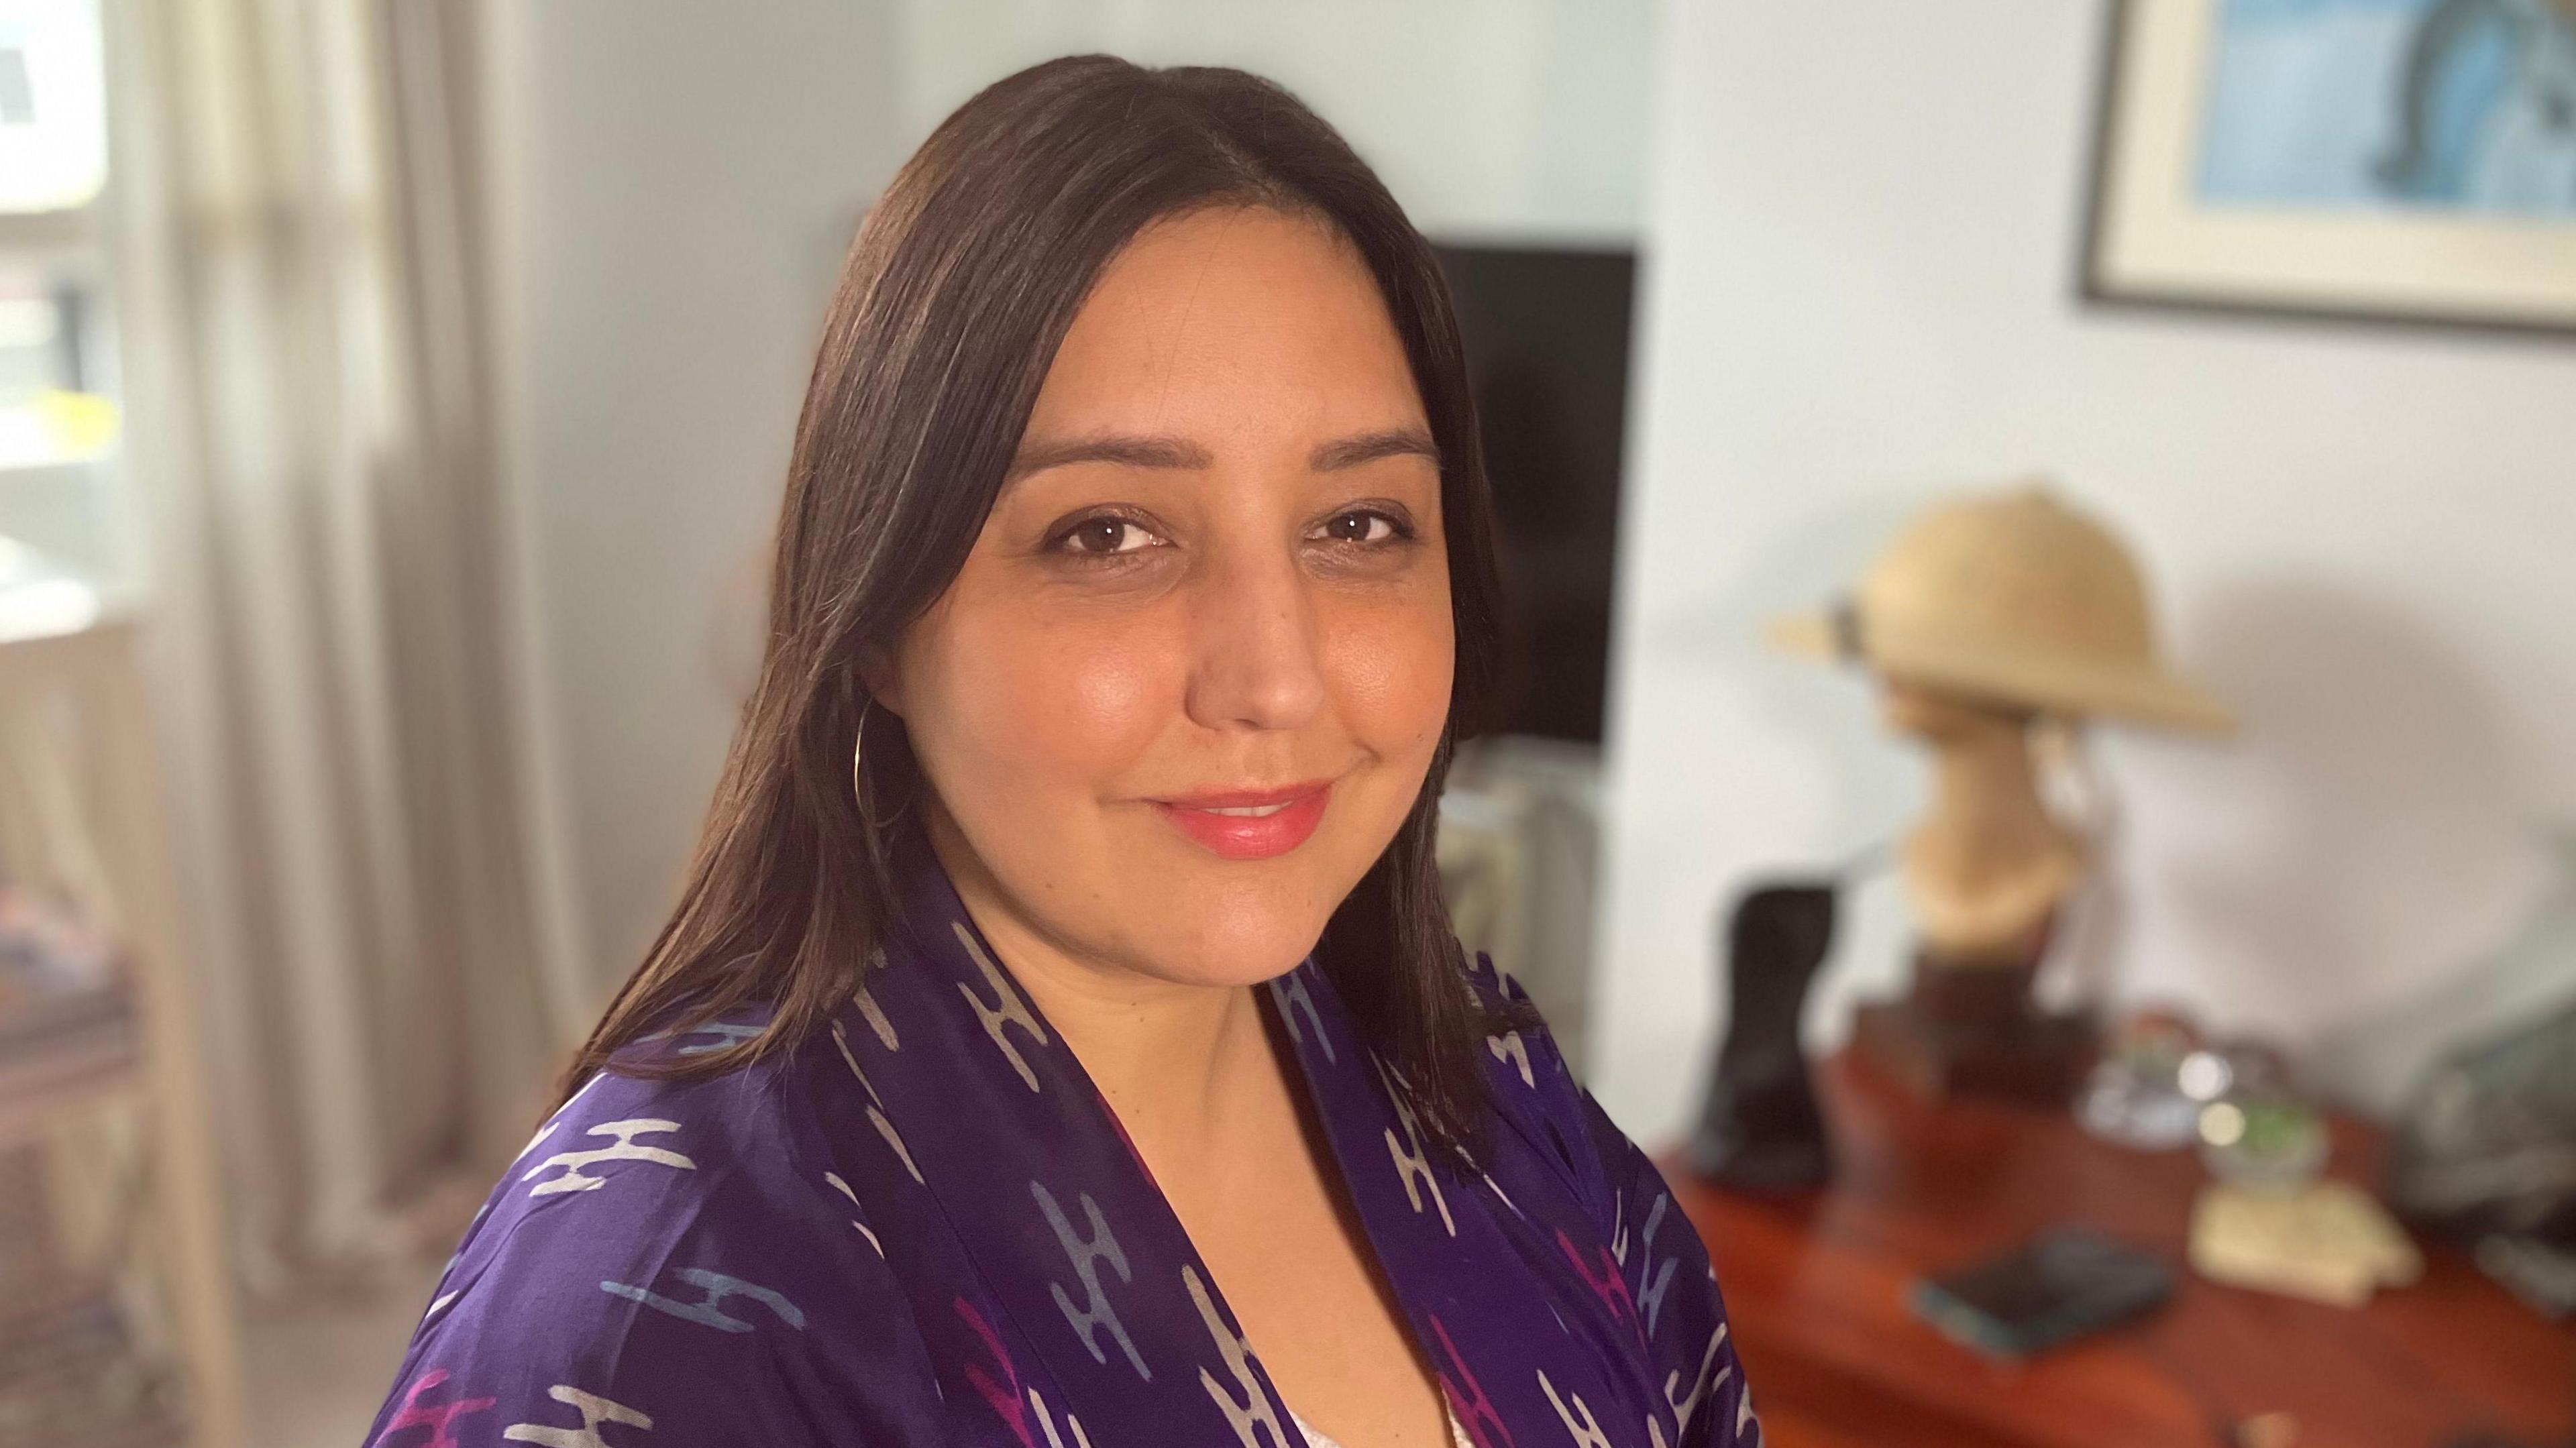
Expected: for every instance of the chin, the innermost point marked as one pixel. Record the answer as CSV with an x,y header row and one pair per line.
x,y
1227,922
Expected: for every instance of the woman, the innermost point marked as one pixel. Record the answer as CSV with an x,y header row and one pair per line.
x,y
1058,1039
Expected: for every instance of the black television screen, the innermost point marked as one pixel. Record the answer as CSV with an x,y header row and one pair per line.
x,y
1546,334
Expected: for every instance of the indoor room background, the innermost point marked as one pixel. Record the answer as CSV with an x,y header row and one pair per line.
x,y
1757,283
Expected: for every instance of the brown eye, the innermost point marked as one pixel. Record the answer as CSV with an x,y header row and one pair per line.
x,y
1104,537
1359,526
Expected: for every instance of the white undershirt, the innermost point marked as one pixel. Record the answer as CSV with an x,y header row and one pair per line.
x,y
1314,1439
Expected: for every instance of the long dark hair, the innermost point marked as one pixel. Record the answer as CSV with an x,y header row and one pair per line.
x,y
959,287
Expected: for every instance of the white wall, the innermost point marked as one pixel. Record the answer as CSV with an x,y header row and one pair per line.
x,y
674,184
1506,118
1863,227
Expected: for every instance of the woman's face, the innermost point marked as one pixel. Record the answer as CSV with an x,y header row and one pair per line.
x,y
1193,673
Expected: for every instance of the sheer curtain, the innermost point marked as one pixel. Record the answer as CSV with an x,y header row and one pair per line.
x,y
386,955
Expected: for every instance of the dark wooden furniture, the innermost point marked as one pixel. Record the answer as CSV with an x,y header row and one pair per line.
x,y
1816,1285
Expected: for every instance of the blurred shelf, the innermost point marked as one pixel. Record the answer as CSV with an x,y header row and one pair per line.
x,y
172,1312
38,1092
164,1432
75,1374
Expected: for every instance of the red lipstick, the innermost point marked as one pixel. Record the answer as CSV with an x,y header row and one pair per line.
x,y
1250,824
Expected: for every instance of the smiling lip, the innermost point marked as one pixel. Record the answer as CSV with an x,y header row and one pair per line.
x,y
1250,824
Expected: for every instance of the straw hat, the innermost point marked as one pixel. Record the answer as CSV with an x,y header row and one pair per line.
x,y
2012,597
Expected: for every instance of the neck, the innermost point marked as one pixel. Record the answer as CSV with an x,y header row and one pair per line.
x,y
1991,863
1175,1060
1985,796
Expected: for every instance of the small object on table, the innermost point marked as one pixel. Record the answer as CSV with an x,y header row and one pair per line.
x,y
2328,1242
2241,1063
1975,1029
2061,1284
2260,1140
2139,1096
2486,1155
1759,1129
2268,1430
2541,1275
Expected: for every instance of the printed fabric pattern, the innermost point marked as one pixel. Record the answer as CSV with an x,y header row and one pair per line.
x,y
924,1227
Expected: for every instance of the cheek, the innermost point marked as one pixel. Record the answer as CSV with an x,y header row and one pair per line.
x,y
1009,700
1390,665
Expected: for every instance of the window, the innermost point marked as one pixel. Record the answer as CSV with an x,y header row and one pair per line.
x,y
58,414
53,106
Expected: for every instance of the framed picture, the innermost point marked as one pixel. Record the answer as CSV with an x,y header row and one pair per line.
x,y
2404,159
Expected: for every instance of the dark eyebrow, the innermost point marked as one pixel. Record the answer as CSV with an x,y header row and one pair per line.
x,y
1175,452
1368,447
1134,452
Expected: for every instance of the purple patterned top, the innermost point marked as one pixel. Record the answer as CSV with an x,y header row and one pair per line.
x,y
926,1228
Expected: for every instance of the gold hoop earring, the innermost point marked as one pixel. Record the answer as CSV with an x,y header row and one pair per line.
x,y
859,760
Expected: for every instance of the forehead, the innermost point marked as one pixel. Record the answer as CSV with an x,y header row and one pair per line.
x,y
1221,320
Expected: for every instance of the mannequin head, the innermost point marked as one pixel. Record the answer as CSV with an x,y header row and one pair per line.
x,y
1989,863
1942,718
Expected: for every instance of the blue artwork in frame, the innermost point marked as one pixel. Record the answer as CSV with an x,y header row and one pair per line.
x,y
2412,159
2466,104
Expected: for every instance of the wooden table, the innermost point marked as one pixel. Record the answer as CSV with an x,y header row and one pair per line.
x,y
1816,1286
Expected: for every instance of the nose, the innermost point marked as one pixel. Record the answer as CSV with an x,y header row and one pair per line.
x,y
1255,662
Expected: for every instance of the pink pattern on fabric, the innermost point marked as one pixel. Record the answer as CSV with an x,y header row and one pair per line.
x,y
1473,1410
436,1417
1607,1284
1004,1394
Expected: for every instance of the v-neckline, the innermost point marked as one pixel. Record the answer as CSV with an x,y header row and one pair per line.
x,y
1078,1244
943,933
1297,1078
